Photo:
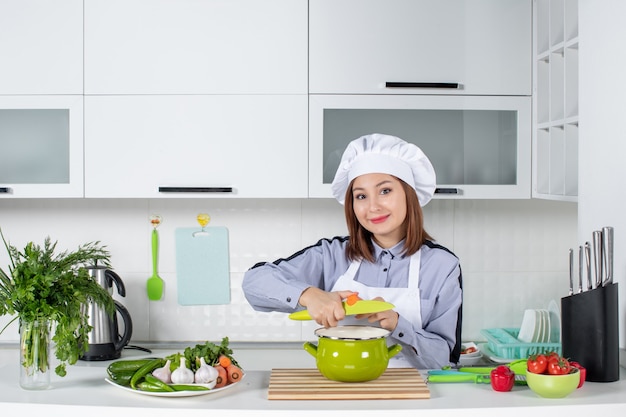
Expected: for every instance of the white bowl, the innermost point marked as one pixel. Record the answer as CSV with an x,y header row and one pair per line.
x,y
466,360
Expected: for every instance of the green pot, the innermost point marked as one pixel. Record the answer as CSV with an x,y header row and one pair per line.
x,y
352,353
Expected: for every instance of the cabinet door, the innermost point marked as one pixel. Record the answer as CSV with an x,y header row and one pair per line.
x,y
480,147
41,142
200,146
41,45
484,46
195,47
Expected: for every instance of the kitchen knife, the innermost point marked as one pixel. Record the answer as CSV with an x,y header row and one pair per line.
x,y
581,264
588,263
607,254
597,256
571,271
360,307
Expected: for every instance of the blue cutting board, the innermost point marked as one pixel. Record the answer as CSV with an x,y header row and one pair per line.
x,y
202,266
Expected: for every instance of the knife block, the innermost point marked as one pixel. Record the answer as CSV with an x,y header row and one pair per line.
x,y
590,332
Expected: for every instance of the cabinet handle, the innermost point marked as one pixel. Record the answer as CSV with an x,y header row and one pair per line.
x,y
195,189
446,190
391,84
5,190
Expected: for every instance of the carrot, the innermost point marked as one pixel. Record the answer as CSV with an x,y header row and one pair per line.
x,y
224,361
234,373
222,377
353,298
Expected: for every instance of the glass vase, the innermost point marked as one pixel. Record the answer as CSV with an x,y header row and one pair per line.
x,y
35,354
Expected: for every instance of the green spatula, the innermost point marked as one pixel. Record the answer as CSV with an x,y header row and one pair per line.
x,y
360,307
155,283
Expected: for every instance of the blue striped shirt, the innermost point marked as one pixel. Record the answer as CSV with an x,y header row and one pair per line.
x,y
277,286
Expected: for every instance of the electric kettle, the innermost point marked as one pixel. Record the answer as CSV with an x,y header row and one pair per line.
x,y
105,341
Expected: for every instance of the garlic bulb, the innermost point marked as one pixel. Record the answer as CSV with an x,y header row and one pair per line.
x,y
182,375
205,373
164,373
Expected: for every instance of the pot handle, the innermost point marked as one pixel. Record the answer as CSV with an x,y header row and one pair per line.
x,y
311,348
394,350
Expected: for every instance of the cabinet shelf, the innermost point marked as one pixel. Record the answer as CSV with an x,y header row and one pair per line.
x,y
555,100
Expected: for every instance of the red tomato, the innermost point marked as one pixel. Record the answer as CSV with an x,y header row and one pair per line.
x,y
537,364
502,378
582,370
558,366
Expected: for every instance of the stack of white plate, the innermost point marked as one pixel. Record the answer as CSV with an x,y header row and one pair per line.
x,y
535,326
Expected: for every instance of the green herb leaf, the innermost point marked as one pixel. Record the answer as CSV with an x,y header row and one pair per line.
x,y
43,285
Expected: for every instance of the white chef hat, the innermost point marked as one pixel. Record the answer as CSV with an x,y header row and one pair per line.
x,y
378,153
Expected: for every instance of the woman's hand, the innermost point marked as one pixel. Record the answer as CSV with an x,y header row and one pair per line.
x,y
388,319
324,307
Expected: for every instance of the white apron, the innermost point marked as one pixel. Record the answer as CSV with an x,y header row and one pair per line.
x,y
405,300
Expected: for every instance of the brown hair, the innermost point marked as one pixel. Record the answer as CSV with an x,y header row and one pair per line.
x,y
360,242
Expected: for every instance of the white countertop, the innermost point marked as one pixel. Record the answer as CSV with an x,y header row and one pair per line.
x,y
84,392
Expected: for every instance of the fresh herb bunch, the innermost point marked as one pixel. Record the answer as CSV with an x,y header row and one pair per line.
x,y
43,286
209,351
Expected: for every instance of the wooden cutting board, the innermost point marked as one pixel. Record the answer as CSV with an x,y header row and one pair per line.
x,y
310,384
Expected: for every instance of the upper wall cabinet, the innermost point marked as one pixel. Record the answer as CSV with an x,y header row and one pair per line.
x,y
41,146
191,146
41,47
195,47
474,47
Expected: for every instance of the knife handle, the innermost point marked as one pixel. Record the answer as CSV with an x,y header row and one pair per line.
x,y
597,256
581,263
588,262
607,254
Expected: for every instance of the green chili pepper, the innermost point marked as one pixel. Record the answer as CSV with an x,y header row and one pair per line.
x,y
188,387
153,380
145,370
146,386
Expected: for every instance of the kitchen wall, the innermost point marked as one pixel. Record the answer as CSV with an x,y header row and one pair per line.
x,y
513,255
602,143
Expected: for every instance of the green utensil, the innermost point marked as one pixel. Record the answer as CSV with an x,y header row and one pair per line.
x,y
452,376
155,283
518,366
360,307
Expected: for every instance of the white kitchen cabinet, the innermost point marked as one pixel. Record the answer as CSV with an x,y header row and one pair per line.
x,y
41,142
479,146
41,45
555,126
195,47
154,146
428,46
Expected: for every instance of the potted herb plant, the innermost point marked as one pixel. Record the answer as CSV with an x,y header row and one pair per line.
x,y
46,292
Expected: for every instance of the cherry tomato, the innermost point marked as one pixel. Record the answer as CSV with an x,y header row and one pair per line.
x,y
537,364
581,370
502,378
558,366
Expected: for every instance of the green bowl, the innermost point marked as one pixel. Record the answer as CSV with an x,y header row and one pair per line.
x,y
553,386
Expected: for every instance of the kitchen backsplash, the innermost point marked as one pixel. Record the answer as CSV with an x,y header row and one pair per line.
x,y
513,255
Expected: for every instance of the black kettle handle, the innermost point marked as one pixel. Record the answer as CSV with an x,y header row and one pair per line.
x,y
112,277
128,327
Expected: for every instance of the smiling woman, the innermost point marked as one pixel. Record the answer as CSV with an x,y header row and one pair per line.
x,y
383,182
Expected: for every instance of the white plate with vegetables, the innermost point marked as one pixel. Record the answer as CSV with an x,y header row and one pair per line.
x,y
176,393
182,374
